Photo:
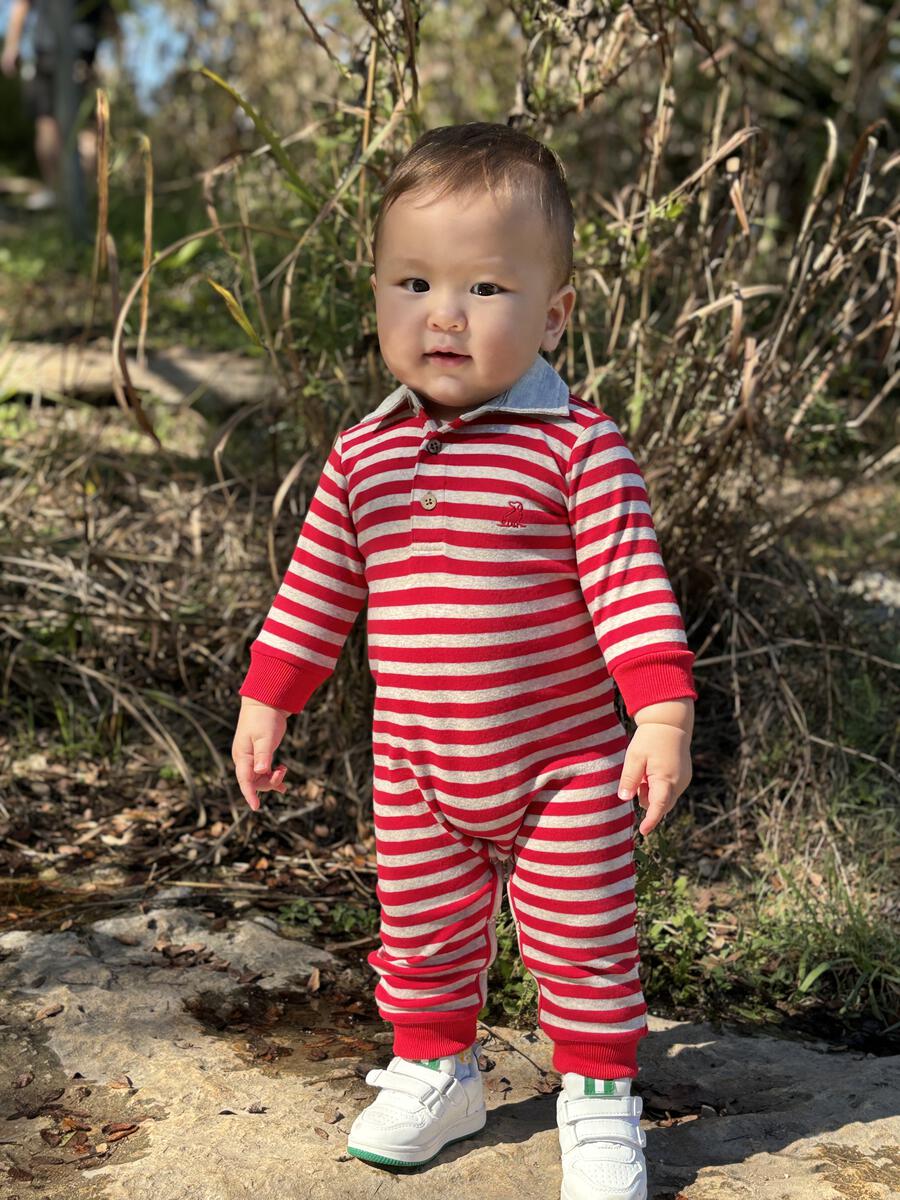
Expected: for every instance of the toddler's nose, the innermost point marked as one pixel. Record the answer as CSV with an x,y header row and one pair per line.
x,y
447,316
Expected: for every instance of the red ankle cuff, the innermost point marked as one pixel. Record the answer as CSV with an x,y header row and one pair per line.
x,y
433,1039
598,1060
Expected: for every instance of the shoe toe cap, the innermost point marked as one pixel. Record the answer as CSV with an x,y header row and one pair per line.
x,y
624,1181
385,1119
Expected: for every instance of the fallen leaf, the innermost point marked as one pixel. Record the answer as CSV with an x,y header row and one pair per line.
x,y
269,1051
247,977
50,1011
76,1140
73,1123
118,1130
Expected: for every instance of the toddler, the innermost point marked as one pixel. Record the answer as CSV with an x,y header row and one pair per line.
x,y
498,529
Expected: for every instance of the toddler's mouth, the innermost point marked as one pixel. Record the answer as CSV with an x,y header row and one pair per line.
x,y
446,358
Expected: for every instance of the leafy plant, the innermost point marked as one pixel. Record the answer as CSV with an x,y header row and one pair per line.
x,y
301,913
512,990
351,918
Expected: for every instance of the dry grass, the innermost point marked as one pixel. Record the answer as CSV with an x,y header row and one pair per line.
x,y
131,592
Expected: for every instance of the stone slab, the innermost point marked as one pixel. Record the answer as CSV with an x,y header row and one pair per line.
x,y
750,1116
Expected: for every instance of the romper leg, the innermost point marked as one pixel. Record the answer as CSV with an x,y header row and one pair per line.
x,y
439,902
571,893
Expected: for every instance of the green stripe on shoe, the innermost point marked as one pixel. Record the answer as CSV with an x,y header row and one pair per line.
x,y
590,1087
464,1057
383,1160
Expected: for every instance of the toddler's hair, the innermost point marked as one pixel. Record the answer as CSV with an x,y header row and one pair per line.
x,y
458,159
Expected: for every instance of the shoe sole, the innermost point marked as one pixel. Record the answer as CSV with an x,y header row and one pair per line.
x,y
414,1157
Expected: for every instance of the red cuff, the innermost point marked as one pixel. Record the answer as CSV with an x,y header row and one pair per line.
x,y
281,682
613,1058
653,678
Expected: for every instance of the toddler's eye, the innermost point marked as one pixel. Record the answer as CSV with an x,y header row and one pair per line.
x,y
416,279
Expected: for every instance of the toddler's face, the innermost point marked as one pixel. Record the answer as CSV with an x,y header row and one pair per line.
x,y
471,274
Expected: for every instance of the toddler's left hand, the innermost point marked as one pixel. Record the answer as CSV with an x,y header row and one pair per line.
x,y
658,767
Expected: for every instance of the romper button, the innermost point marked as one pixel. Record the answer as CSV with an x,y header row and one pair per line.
x,y
429,500
433,446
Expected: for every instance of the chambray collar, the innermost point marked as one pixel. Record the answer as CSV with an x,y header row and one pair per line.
x,y
540,390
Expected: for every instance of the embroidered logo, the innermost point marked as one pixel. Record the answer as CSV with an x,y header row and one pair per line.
x,y
513,516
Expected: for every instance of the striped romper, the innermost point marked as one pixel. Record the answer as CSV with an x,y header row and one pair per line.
x,y
509,566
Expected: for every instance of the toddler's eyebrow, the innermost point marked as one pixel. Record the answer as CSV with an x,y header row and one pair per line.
x,y
480,262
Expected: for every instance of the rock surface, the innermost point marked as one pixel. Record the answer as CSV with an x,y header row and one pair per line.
x,y
177,1058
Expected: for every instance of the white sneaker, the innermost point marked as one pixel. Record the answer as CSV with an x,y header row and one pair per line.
x,y
601,1140
419,1110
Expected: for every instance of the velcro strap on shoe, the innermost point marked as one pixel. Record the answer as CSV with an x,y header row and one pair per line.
x,y
603,1129
602,1106
453,1088
396,1082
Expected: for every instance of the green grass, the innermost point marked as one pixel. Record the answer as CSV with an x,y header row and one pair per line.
x,y
512,991
306,917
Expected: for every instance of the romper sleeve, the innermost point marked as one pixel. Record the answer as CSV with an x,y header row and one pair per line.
x,y
636,617
314,609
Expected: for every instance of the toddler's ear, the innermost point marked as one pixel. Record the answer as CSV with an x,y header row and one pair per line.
x,y
372,281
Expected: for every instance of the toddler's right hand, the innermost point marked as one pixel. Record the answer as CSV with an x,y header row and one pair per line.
x,y
260,728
